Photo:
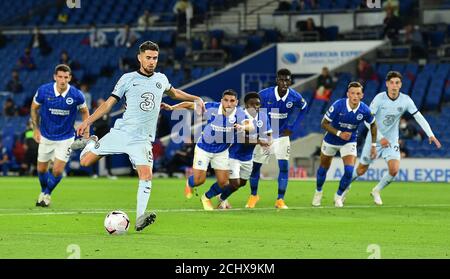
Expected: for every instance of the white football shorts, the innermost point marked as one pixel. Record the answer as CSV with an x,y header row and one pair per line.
x,y
280,147
50,149
240,169
118,142
202,158
345,150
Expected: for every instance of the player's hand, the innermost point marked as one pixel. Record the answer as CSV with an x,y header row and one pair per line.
x,y
345,135
200,106
165,106
83,126
37,135
239,127
264,143
384,142
373,152
435,140
286,133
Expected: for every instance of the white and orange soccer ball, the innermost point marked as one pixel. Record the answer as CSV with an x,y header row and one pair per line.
x,y
117,222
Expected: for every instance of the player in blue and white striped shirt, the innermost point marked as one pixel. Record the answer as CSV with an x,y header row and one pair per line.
x,y
134,133
53,113
388,107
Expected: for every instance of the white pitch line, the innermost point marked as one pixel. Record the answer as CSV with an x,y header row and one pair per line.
x,y
182,210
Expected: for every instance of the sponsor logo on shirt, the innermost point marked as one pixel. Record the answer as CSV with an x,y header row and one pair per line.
x,y
59,111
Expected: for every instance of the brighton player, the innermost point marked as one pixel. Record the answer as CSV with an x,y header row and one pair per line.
x,y
53,113
134,133
285,107
388,107
341,123
241,152
224,119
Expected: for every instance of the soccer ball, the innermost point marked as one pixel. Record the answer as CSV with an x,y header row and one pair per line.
x,y
117,222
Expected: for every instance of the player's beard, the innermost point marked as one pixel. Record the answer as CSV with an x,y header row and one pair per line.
x,y
148,70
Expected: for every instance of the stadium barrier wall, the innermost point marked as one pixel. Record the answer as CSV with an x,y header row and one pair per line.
x,y
310,58
411,170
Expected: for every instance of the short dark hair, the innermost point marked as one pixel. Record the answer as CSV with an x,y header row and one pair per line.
x,y
148,45
355,84
62,68
393,74
283,72
230,92
251,95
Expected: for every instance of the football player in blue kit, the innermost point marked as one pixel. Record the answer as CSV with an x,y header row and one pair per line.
x,y
241,152
285,108
341,123
53,114
224,119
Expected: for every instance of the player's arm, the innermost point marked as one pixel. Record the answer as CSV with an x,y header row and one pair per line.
x,y
98,113
427,129
178,94
326,125
179,106
245,125
373,133
84,111
384,142
35,120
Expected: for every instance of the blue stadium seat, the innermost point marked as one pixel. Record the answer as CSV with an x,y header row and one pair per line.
x,y
331,33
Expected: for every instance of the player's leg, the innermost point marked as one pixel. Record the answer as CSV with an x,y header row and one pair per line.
x,y
42,171
143,195
62,156
281,151
348,154
199,167
394,166
239,174
326,156
260,157
364,159
46,151
220,164
141,156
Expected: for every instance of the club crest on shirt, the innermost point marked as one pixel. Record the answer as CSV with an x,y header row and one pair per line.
x,y
289,104
400,109
259,123
158,85
232,120
359,116
69,101
97,145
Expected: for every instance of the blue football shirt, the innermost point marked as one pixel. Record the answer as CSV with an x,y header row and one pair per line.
x,y
58,111
346,119
219,132
244,151
283,111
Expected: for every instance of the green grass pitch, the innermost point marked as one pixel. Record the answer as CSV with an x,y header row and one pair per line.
x,y
414,222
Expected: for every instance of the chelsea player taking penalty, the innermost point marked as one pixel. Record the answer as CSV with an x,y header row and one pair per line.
x,y
134,133
341,123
